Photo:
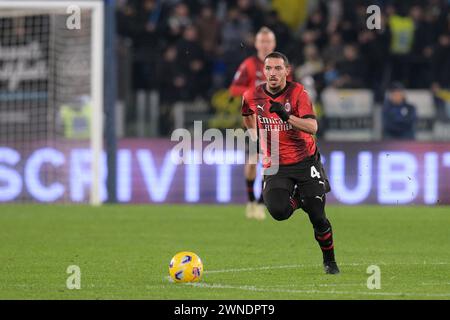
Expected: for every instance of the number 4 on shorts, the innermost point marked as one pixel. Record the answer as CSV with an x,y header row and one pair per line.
x,y
314,172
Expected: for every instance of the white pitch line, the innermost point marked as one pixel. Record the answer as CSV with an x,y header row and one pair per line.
x,y
169,279
258,289
312,291
258,268
293,266
317,285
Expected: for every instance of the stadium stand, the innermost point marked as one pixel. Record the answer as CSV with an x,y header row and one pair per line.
x,y
183,54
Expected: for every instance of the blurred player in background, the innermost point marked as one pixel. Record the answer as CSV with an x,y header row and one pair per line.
x,y
249,75
285,108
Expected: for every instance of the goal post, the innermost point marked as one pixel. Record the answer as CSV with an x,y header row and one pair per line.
x,y
57,87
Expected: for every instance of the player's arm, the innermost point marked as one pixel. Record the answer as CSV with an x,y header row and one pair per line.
x,y
250,124
249,118
249,121
308,125
306,119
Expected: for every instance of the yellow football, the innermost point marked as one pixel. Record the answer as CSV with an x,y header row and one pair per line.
x,y
186,266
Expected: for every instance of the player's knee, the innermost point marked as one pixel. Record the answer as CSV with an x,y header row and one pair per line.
x,y
277,203
279,210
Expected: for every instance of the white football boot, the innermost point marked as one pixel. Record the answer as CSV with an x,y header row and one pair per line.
x,y
250,210
260,211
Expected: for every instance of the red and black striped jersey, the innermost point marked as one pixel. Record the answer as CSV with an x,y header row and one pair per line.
x,y
294,145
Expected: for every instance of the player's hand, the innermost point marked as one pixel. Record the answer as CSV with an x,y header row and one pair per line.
x,y
279,110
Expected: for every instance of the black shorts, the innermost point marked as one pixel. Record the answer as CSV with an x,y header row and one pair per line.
x,y
309,176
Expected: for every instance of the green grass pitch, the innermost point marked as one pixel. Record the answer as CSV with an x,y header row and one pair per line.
x,y
124,251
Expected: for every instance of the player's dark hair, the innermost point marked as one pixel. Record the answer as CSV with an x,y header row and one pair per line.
x,y
278,55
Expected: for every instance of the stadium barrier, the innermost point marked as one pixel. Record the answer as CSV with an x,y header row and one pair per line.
x,y
352,115
349,114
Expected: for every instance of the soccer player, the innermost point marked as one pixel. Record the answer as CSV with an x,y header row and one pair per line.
x,y
249,75
284,107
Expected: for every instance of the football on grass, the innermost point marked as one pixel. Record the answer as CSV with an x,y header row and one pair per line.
x,y
186,266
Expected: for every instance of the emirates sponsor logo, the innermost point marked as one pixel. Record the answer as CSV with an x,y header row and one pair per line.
x,y
274,124
267,120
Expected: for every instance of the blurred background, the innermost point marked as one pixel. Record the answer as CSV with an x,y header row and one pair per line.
x,y
179,57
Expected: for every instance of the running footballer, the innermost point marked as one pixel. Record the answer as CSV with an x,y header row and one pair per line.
x,y
249,75
284,107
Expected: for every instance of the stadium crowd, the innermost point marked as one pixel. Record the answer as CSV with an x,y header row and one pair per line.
x,y
189,49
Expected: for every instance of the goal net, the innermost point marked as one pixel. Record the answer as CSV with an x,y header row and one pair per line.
x,y
51,101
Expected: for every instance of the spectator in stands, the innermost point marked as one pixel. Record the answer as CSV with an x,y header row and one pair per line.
x,y
401,30
146,24
295,49
172,85
251,10
399,117
208,28
373,47
412,45
347,25
334,50
125,13
335,11
313,65
172,79
193,61
318,26
422,49
236,28
274,23
235,36
146,32
179,19
351,70
441,63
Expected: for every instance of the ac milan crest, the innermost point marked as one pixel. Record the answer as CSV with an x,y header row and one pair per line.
x,y
287,106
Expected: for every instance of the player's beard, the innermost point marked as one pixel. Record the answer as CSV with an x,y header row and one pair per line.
x,y
276,88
